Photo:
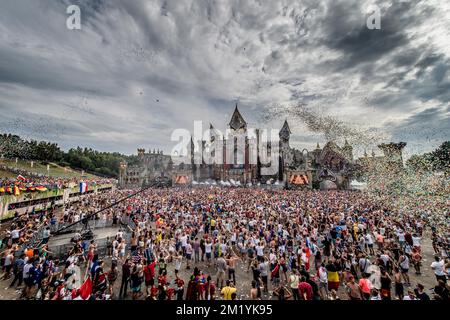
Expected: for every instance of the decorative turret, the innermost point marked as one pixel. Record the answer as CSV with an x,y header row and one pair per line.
x,y
141,152
285,134
122,173
237,122
191,151
213,133
348,150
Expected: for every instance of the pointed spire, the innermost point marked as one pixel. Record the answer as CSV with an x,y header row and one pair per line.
x,y
373,154
365,153
346,143
318,146
237,121
285,130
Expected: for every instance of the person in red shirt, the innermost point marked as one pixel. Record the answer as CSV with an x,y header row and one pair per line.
x,y
149,275
210,289
366,287
153,293
305,289
162,279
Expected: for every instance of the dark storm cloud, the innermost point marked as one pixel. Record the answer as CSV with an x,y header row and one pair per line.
x,y
362,45
139,69
42,73
424,130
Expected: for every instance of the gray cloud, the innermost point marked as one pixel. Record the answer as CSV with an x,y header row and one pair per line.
x,y
139,69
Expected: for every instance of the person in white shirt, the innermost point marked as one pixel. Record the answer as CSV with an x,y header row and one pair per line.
x,y
401,237
294,280
260,250
184,240
416,241
410,296
369,241
208,249
404,267
438,266
323,282
15,234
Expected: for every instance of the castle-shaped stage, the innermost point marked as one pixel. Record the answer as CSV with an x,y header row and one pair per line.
x,y
330,167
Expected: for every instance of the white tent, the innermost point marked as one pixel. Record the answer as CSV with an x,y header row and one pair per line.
x,y
354,184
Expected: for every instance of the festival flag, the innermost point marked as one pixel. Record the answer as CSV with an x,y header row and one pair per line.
x,y
2,190
16,191
21,178
86,289
41,189
83,187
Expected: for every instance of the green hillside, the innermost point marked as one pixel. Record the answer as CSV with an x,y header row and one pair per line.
x,y
39,168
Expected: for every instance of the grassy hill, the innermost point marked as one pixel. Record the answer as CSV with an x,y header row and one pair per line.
x,y
7,174
39,168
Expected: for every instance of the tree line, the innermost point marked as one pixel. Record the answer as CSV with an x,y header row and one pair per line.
x,y
437,160
93,161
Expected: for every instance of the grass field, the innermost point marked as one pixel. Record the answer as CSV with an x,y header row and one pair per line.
x,y
55,170
7,174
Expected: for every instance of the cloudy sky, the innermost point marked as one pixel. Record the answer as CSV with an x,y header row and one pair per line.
x,y
140,69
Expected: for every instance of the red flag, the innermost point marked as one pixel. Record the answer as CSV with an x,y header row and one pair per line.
x,y
21,178
86,289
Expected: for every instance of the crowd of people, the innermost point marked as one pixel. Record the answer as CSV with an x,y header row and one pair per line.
x,y
238,243
28,181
